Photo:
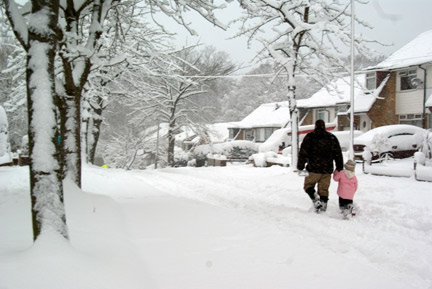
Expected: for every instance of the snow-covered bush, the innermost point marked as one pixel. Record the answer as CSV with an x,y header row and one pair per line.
x,y
181,158
232,150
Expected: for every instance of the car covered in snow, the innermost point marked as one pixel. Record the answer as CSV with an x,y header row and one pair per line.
x,y
390,141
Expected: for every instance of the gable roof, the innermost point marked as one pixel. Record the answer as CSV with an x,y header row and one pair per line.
x,y
416,52
275,114
339,92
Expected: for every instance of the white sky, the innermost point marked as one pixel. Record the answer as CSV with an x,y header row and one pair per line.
x,y
395,22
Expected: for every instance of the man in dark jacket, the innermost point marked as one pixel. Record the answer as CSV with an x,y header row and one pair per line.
x,y
318,151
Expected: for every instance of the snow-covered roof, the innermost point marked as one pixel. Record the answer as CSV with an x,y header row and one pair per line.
x,y
339,92
416,52
275,114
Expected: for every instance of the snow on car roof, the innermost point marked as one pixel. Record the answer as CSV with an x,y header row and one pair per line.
x,y
387,130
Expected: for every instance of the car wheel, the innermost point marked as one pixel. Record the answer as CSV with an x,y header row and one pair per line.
x,y
386,156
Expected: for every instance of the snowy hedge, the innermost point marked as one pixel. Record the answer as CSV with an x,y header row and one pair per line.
x,y
240,149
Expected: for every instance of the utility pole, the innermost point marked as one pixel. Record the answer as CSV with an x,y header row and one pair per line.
x,y
351,149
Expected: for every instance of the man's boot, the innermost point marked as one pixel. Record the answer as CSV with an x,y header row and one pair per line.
x,y
315,198
324,201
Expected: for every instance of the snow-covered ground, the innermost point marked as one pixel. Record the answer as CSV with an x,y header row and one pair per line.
x,y
217,228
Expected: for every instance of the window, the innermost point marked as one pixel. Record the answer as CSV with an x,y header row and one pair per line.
x,y
406,79
268,132
249,134
342,108
413,119
262,134
259,135
233,132
322,114
370,80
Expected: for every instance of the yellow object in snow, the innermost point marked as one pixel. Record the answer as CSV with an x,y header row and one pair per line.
x,y
105,166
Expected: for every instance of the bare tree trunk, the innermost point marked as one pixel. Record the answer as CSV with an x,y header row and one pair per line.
x,y
85,125
96,134
74,82
171,144
93,131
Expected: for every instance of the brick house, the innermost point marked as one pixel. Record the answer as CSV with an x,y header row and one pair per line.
x,y
396,91
332,103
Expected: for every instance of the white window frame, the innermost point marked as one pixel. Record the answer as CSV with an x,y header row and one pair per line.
x,y
342,109
268,132
370,80
249,134
409,75
412,119
326,115
260,135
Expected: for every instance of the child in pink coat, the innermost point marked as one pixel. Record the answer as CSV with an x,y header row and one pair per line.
x,y
347,187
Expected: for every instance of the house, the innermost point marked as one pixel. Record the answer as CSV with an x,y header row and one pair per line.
x,y
332,104
410,83
259,125
396,91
